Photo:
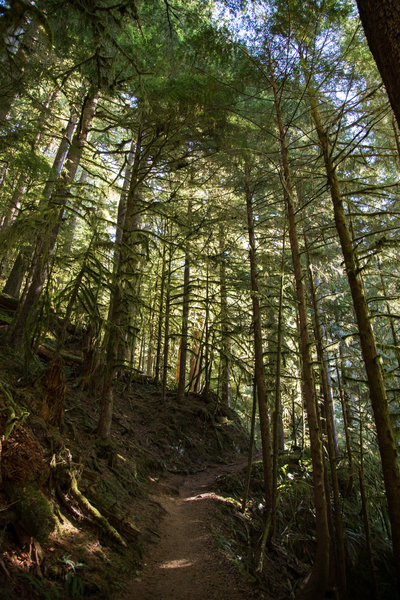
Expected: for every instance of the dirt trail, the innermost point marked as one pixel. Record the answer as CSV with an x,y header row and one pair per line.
x,y
185,563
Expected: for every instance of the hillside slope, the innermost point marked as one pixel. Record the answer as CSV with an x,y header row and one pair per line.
x,y
75,509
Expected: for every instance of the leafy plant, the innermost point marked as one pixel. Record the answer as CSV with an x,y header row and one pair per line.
x,y
73,586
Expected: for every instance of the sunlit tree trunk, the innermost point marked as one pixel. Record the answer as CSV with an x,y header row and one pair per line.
x,y
277,424
61,155
166,326
3,173
207,335
317,582
389,314
258,352
185,321
224,360
246,487
160,315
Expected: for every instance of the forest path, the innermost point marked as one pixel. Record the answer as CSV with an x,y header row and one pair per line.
x,y
185,562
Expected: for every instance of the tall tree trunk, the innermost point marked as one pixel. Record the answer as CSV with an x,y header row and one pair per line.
x,y
160,315
364,512
386,441
61,155
128,259
397,141
224,360
330,430
150,357
196,359
246,487
166,326
347,435
46,243
207,334
381,22
317,582
16,200
3,173
277,416
258,352
185,321
389,313
121,276
184,331
119,229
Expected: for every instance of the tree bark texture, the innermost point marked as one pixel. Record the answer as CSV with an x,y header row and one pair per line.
x,y
381,22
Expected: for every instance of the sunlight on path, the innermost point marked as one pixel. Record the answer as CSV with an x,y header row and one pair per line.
x,y
185,563
176,564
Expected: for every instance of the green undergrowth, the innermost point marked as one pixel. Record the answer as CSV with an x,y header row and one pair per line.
x,y
292,551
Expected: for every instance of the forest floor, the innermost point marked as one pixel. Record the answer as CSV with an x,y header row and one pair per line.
x,y
185,561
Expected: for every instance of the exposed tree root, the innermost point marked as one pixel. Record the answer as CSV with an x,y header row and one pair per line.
x,y
66,478
94,513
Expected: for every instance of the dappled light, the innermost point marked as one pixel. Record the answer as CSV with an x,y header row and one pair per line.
x,y
176,564
199,304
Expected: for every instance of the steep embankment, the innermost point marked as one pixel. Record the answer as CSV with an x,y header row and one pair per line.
x,y
74,510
